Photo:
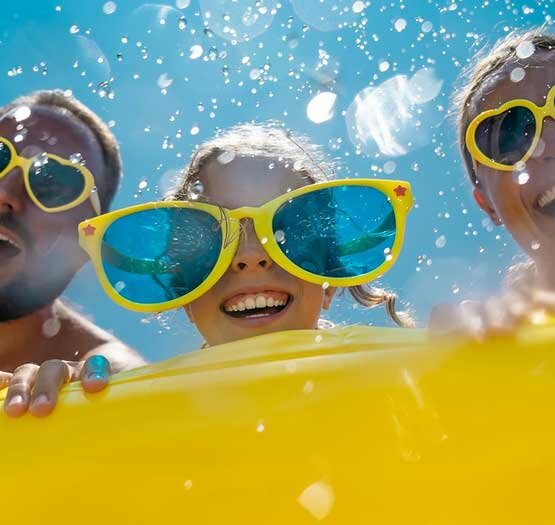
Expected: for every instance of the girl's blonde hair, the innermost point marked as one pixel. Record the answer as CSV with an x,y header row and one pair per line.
x,y
275,143
487,64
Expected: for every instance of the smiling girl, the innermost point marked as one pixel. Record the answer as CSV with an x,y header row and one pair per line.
x,y
254,239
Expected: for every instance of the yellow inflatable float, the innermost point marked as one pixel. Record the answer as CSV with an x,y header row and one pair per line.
x,y
350,425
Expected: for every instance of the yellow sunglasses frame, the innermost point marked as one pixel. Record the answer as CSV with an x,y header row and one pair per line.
x,y
16,161
547,110
91,233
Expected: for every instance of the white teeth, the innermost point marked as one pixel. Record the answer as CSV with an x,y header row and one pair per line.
x,y
547,197
260,301
6,239
252,302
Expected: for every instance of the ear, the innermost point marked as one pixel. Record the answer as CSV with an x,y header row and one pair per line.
x,y
486,206
189,313
329,293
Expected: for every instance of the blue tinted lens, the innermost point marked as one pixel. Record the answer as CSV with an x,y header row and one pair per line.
x,y
343,231
54,184
507,137
5,156
158,255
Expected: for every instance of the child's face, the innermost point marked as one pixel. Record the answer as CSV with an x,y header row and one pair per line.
x,y
252,275
511,202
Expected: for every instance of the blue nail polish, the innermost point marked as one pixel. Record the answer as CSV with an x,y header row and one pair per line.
x,y
97,368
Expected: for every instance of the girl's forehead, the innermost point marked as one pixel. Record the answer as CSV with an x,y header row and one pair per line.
x,y
248,181
517,79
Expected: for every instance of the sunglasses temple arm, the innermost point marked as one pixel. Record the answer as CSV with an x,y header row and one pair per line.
x,y
95,201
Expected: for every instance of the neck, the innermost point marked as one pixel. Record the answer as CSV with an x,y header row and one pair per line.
x,y
23,337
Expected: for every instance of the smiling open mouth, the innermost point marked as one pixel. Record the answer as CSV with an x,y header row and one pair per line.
x,y
8,249
256,305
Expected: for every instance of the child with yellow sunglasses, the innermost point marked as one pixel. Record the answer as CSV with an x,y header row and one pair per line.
x,y
253,239
506,128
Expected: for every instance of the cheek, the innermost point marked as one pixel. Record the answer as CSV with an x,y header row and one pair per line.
x,y
311,300
203,309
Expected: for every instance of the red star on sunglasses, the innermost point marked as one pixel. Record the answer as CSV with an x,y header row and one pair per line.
x,y
400,191
89,230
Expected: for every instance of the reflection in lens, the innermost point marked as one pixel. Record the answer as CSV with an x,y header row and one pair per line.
x,y
395,117
507,137
240,20
343,231
326,15
157,255
54,184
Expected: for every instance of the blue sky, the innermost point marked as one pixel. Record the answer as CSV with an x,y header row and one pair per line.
x,y
167,76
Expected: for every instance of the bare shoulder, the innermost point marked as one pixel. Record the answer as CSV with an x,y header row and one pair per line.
x,y
84,338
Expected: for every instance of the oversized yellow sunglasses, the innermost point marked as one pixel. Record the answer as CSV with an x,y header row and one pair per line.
x,y
161,255
506,137
53,183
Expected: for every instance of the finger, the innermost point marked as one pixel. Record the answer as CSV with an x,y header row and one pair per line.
x,y
51,376
95,374
19,390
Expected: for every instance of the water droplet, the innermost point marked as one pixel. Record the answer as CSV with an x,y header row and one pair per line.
x,y
188,484
109,8
400,24
535,245
22,113
325,285
308,387
164,81
195,130
383,66
196,52
41,160
523,178
119,286
196,190
358,7
51,327
76,158
182,4
441,241
321,108
124,40
260,427
226,157
279,236
20,136
74,29
318,499
182,24
143,184
264,240
455,289
517,74
255,73
389,167
427,27
318,339
525,49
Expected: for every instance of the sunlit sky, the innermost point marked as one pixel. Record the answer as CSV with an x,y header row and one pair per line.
x,y
371,81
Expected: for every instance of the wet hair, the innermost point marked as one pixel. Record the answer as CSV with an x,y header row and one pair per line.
x,y
484,68
273,142
67,104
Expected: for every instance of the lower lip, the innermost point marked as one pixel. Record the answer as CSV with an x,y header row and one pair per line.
x,y
263,320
